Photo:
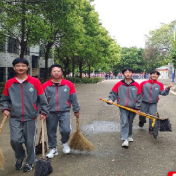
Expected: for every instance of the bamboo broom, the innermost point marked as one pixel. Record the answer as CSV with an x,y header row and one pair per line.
x,y
1,153
79,142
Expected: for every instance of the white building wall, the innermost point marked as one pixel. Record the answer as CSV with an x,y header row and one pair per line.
x,y
6,59
164,74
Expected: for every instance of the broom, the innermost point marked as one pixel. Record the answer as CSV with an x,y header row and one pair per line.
x,y
43,165
79,142
1,153
161,124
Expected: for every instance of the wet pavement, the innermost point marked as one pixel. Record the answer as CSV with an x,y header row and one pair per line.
x,y
99,123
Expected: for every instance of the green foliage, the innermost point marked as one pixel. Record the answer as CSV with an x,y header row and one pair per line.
x,y
173,53
71,27
84,80
158,45
131,57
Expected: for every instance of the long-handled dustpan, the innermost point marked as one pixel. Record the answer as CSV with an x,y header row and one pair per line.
x,y
159,124
1,153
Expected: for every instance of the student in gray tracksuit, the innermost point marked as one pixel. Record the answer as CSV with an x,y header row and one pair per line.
x,y
62,95
127,92
151,89
20,100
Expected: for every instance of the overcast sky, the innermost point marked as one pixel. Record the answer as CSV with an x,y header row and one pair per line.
x,y
129,20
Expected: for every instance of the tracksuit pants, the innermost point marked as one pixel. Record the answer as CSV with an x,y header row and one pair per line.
x,y
23,133
126,123
63,118
148,108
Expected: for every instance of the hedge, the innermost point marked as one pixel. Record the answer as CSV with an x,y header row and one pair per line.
x,y
74,80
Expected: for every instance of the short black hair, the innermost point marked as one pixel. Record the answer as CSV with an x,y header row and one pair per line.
x,y
125,69
20,60
55,65
155,71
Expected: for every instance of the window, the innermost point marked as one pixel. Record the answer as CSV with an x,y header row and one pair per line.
x,y
34,61
27,51
13,46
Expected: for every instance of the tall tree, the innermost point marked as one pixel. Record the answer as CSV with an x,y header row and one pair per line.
x,y
18,19
131,57
59,19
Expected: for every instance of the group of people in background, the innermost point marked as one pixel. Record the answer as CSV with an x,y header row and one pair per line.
x,y
24,98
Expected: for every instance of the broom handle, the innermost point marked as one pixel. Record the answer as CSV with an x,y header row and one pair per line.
x,y
43,149
77,123
132,110
2,124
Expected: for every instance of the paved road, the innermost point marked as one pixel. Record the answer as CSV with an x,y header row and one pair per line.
x,y
99,123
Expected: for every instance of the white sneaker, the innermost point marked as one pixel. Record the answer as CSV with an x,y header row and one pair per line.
x,y
66,148
125,143
130,139
52,153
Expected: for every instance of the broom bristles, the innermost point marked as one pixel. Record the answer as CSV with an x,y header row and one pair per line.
x,y
79,142
1,160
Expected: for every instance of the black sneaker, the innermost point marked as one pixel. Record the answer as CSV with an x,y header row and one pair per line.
x,y
19,164
141,124
27,167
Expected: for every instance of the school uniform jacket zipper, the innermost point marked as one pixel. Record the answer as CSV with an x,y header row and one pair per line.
x,y
150,93
22,103
127,96
57,99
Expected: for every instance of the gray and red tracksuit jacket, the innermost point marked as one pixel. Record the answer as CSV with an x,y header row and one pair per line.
x,y
62,96
127,95
151,91
24,99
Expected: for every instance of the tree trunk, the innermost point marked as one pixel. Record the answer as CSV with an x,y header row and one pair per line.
x,y
68,70
80,69
89,71
73,66
47,50
23,43
65,69
46,64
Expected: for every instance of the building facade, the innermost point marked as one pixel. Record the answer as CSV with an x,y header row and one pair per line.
x,y
10,50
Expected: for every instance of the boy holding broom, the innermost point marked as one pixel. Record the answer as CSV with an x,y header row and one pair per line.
x,y
62,95
20,100
151,89
127,92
